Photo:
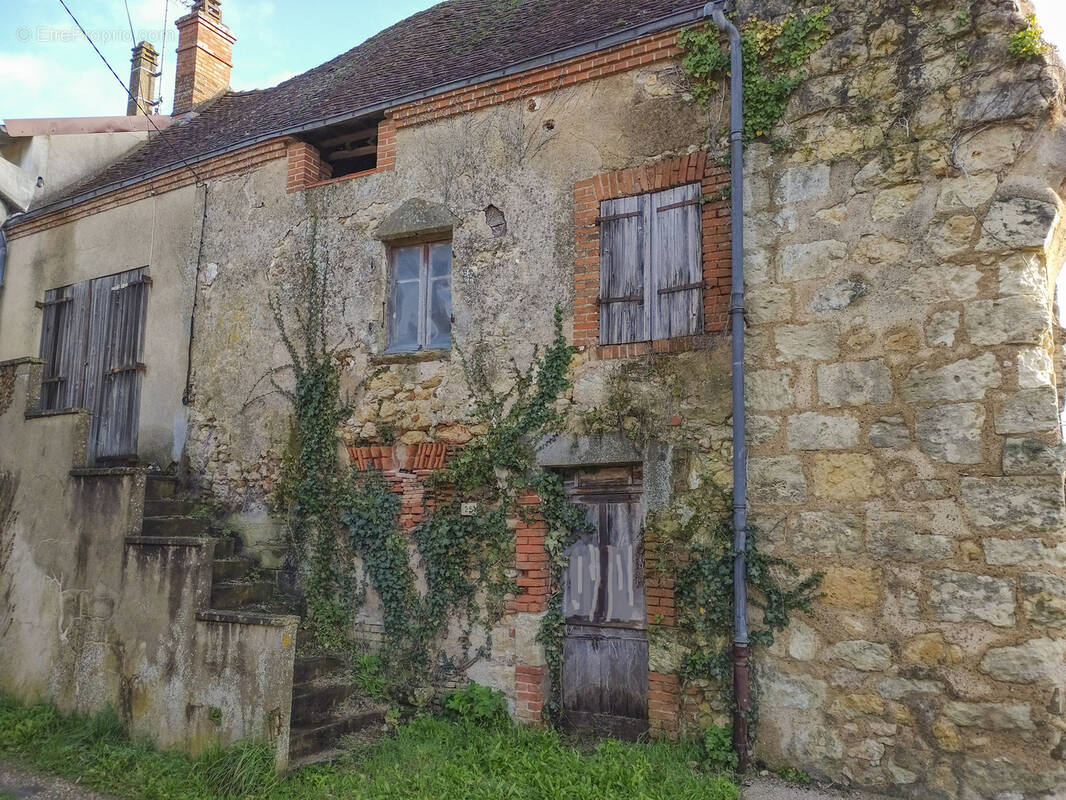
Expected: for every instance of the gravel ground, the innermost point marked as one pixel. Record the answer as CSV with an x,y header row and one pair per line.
x,y
23,784
768,788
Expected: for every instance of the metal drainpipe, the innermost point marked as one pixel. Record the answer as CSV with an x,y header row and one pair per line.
x,y
741,647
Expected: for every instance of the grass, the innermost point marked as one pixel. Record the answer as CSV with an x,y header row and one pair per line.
x,y
429,759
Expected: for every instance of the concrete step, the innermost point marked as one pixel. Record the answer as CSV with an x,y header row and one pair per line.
x,y
171,507
233,595
313,703
307,668
306,741
174,526
230,569
160,487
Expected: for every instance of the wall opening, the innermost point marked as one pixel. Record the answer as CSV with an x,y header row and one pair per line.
x,y
350,147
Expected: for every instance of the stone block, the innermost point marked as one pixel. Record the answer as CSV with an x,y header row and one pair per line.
x,y
818,341
1035,369
941,329
1031,457
890,432
769,390
846,476
898,688
931,650
1044,599
793,691
1028,411
952,433
942,282
777,480
802,183
1007,320
1036,661
895,202
851,587
963,597
966,379
1023,273
801,262
814,431
838,296
854,383
768,304
1013,503
1030,552
864,655
990,716
903,536
827,533
1017,223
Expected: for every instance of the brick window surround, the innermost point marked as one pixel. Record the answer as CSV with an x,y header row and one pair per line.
x,y
307,169
588,194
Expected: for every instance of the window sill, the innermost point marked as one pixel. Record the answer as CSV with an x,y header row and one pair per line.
x,y
413,357
682,344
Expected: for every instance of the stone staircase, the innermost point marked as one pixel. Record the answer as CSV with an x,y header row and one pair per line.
x,y
326,703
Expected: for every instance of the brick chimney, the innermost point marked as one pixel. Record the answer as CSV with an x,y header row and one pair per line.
x,y
205,56
145,65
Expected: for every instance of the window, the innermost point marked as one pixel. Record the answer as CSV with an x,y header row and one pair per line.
x,y
651,266
92,343
420,297
348,148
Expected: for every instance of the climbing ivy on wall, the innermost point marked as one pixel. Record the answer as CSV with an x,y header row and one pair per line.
x,y
773,56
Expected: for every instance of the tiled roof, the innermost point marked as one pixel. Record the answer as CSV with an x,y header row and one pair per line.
x,y
448,43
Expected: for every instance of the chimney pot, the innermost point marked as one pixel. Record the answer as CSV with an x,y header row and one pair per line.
x,y
143,70
205,56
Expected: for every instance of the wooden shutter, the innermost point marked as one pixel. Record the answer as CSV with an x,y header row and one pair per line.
x,y
63,345
677,263
624,312
116,351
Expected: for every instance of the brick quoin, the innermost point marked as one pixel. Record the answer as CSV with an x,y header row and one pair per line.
x,y
664,705
531,561
530,687
717,272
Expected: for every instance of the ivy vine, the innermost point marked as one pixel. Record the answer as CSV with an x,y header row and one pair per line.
x,y
773,55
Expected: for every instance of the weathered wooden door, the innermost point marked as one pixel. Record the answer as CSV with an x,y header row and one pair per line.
x,y
92,342
605,652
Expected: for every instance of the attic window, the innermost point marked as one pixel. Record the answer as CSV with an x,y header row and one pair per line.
x,y
350,147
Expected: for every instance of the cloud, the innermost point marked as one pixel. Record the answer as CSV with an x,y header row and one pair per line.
x,y
36,86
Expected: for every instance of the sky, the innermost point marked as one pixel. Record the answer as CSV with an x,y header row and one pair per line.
x,y
47,69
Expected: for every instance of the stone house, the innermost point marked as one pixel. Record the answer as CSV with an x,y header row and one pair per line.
x,y
462,174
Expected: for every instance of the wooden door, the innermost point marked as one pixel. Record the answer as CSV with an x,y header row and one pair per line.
x,y
92,342
605,652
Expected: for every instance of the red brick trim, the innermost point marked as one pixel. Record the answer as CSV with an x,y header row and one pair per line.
x,y
530,689
243,160
303,173
306,167
630,55
415,458
531,561
664,705
588,194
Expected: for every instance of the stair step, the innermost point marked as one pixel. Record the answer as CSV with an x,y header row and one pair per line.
x,y
173,526
230,569
305,741
234,595
313,703
307,668
160,487
171,507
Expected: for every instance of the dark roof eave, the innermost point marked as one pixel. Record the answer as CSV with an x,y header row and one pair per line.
x,y
664,23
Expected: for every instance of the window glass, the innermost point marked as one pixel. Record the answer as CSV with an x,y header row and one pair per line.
x,y
420,313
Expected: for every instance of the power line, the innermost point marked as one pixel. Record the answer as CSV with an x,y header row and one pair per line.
x,y
126,89
133,36
162,54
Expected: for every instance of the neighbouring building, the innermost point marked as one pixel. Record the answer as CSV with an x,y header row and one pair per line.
x,y
464,173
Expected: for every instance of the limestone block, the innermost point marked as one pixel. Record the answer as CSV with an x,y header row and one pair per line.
x,y
990,149
1044,599
930,650
895,202
1035,368
777,480
827,533
813,431
1007,320
854,383
966,192
803,641
793,691
805,182
1036,661
838,296
1023,273
768,304
890,432
954,236
899,688
1029,411
761,429
1008,100
941,328
864,655
951,433
903,536
817,340
966,379
800,262
1031,457
990,716
943,282
1030,552
1013,503
1017,223
851,587
769,390
528,651
963,596
846,476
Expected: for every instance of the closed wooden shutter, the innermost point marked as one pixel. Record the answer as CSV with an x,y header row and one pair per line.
x,y
677,263
624,242
63,345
